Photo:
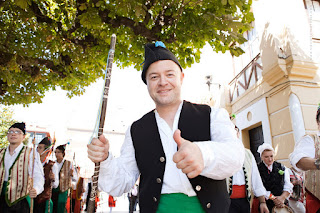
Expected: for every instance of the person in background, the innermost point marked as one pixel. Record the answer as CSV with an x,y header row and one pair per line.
x,y
275,178
182,151
306,157
296,199
74,204
243,183
133,197
66,174
16,164
51,176
88,192
78,193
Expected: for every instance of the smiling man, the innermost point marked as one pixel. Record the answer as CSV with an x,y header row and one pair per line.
x,y
16,163
183,151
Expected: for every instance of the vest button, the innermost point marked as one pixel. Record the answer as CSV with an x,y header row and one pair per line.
x,y
154,199
208,205
158,180
162,159
198,188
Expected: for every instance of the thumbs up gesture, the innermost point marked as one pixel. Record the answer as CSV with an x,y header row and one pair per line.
x,y
188,158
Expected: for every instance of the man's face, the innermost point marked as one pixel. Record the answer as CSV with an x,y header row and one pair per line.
x,y
164,80
15,136
59,154
41,148
267,157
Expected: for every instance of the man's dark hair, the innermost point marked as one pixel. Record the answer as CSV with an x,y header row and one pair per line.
x,y
62,148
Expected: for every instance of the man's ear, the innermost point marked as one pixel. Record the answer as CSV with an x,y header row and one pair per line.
x,y
182,76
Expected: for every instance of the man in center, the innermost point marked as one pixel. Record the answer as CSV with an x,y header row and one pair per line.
x,y
182,151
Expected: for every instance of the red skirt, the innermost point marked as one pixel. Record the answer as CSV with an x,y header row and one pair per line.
x,y
312,203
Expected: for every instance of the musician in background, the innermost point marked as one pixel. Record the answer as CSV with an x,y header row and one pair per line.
x,y
306,157
275,178
66,174
77,194
17,162
43,201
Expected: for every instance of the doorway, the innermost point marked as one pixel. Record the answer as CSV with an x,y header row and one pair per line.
x,y
256,139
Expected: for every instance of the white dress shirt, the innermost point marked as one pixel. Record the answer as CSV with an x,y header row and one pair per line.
x,y
223,156
288,186
55,171
74,173
304,148
38,175
256,182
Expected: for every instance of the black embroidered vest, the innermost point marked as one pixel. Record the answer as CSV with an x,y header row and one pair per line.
x,y
194,124
272,181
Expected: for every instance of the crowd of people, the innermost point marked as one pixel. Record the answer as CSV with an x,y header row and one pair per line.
x,y
180,157
30,182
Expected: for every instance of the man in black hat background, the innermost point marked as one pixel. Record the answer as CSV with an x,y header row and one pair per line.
x,y
16,163
183,151
51,177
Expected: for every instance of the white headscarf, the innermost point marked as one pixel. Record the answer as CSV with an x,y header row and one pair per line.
x,y
263,147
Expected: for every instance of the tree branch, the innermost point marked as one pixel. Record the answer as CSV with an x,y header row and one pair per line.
x,y
138,28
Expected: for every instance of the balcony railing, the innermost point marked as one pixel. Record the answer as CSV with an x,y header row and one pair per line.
x,y
246,78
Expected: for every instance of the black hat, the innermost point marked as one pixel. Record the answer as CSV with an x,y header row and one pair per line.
x,y
46,142
156,52
21,126
62,147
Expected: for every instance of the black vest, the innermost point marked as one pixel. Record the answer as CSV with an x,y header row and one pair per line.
x,y
272,181
194,124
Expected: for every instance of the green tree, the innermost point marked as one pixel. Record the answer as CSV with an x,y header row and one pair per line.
x,y
6,121
45,44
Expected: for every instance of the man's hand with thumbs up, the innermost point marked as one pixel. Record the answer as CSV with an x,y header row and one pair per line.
x,y
188,158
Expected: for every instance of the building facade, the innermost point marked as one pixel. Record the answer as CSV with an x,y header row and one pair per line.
x,y
275,90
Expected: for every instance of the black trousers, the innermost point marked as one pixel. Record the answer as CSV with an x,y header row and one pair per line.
x,y
54,198
40,207
133,201
20,207
239,205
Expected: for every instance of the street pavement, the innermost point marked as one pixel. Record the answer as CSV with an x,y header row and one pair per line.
x,y
122,205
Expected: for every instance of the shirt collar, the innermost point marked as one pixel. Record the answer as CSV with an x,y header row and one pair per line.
x,y
269,167
17,150
61,161
176,117
178,111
